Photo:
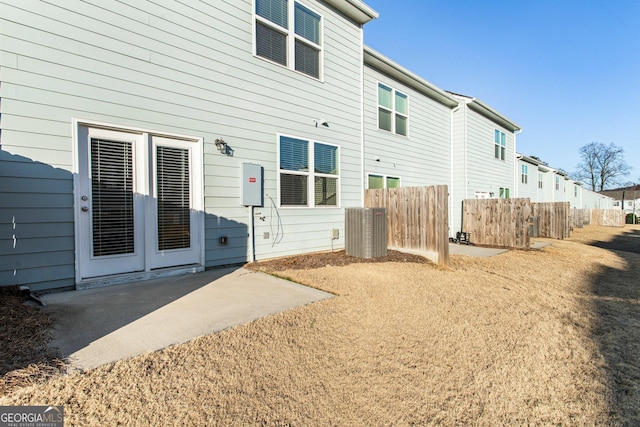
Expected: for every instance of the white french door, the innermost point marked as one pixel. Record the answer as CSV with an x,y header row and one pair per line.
x,y
175,236
138,202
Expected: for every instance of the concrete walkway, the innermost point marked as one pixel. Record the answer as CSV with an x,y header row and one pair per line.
x,y
102,325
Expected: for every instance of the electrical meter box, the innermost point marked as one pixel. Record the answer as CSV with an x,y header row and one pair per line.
x,y
251,186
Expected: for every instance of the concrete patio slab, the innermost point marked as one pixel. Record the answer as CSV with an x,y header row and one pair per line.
x,y
103,325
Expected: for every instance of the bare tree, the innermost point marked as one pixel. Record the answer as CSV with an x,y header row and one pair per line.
x,y
601,166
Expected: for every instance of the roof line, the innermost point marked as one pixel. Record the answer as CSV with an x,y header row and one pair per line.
x,y
355,9
387,66
481,108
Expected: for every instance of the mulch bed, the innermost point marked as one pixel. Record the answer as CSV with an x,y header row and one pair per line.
x,y
336,259
24,334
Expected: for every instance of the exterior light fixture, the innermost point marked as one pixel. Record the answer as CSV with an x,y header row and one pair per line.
x,y
221,145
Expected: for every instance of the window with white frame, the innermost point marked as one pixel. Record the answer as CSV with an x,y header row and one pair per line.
x,y
504,193
382,181
290,34
500,145
309,173
575,191
524,174
557,182
393,110
539,179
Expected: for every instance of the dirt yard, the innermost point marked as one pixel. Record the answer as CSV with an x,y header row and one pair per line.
x,y
548,337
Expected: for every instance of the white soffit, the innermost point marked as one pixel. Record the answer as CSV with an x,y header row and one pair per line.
x,y
354,9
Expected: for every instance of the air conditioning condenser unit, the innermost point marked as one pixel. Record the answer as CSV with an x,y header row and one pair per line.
x,y
366,232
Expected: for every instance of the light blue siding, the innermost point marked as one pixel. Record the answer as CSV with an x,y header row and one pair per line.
x,y
476,170
421,158
177,67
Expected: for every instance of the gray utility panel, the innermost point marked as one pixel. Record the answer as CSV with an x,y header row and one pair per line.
x,y
366,232
252,188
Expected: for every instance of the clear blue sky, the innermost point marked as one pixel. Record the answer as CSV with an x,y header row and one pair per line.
x,y
567,71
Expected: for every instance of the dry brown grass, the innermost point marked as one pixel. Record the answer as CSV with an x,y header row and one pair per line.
x,y
24,334
524,338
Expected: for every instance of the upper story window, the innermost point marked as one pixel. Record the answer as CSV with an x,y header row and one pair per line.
x,y
381,181
393,110
575,191
500,140
524,174
557,182
289,34
539,179
309,173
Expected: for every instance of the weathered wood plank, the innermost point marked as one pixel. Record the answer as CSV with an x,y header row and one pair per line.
x,y
417,217
498,222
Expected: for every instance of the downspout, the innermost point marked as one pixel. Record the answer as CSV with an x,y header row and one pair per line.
x,y
362,138
453,111
466,177
515,161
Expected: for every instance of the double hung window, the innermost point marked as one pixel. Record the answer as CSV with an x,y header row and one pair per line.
x,y
540,180
393,110
309,173
524,175
290,34
504,193
500,145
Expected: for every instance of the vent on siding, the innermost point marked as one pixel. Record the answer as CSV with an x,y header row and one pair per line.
x,y
366,232
112,197
174,221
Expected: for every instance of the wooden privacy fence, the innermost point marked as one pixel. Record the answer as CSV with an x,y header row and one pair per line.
x,y
577,218
554,219
608,217
497,222
417,217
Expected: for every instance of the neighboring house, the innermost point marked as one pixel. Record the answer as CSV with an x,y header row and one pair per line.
x,y
407,127
574,193
546,183
593,200
626,198
559,187
541,183
484,149
530,178
137,136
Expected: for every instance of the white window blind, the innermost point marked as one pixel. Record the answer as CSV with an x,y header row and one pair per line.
x,y
309,174
286,28
294,157
173,198
275,11
112,197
